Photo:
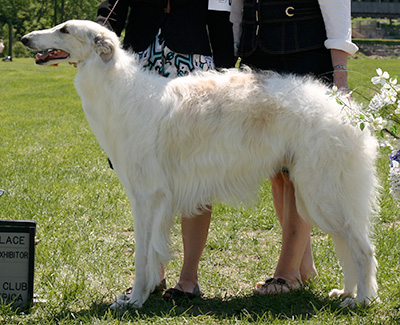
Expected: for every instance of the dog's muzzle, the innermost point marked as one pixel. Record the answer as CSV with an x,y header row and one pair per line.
x,y
48,55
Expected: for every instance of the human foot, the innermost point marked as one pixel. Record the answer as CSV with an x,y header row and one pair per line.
x,y
275,286
179,292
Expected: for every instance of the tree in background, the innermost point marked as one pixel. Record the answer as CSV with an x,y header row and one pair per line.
x,y
18,17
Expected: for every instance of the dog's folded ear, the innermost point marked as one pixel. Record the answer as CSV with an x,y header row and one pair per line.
x,y
104,47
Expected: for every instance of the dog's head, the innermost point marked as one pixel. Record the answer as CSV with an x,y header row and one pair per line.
x,y
74,41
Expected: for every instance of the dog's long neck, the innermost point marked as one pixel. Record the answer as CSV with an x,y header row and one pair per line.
x,y
115,93
97,79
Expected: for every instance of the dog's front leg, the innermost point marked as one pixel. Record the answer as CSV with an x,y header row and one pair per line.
x,y
153,218
141,290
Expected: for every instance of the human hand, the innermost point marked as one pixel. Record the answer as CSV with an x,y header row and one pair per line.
x,y
340,79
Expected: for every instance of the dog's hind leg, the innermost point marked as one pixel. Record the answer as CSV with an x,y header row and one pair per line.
x,y
359,267
344,221
356,256
348,267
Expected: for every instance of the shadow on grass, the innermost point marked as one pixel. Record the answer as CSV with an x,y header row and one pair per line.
x,y
302,304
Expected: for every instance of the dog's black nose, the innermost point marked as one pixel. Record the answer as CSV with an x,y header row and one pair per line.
x,y
25,40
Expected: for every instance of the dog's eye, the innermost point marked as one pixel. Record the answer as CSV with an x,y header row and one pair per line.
x,y
64,30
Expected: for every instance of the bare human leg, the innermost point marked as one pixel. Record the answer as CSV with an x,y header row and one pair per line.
x,y
194,235
296,263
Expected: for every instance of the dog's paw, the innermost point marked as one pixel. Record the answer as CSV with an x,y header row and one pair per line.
x,y
336,293
353,303
366,301
124,302
349,303
349,300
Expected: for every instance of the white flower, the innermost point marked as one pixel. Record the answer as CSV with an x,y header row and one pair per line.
x,y
386,143
381,116
333,92
376,103
381,78
378,123
389,96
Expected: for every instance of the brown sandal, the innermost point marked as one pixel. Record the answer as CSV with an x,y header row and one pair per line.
x,y
278,284
173,293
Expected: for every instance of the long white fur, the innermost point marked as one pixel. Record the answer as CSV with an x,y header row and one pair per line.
x,y
181,144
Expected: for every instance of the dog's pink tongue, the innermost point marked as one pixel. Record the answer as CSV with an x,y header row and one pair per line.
x,y
51,55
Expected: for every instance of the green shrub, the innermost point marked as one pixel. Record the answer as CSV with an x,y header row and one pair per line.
x,y
20,51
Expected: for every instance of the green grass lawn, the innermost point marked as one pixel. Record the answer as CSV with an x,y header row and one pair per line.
x,y
53,171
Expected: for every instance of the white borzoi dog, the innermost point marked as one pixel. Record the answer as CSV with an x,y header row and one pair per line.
x,y
177,145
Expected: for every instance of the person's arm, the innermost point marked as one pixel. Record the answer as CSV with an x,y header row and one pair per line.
x,y
337,19
236,19
339,63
